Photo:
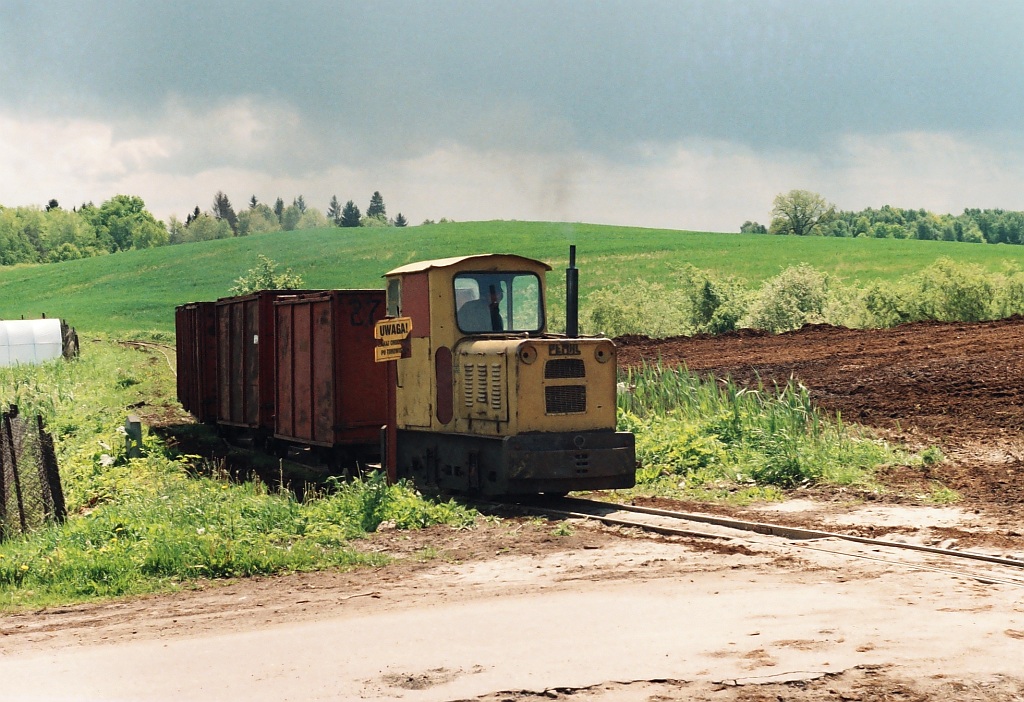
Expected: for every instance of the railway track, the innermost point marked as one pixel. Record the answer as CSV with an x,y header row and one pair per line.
x,y
986,568
166,350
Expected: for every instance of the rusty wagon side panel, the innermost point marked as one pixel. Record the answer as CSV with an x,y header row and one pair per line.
x,y
245,359
196,348
330,391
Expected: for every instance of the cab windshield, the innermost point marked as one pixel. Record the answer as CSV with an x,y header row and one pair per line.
x,y
498,302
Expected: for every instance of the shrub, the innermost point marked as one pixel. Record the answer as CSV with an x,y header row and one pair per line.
x,y
951,291
886,305
795,297
637,308
715,304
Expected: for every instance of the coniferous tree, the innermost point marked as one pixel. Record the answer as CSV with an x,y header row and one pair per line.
x,y
300,203
350,215
334,211
400,221
253,202
222,209
279,208
52,205
376,208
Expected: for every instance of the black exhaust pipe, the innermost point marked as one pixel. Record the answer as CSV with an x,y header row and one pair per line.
x,y
572,296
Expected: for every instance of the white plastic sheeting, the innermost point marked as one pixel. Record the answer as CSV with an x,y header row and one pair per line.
x,y
30,341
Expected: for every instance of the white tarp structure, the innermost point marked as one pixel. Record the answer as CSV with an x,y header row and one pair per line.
x,y
30,341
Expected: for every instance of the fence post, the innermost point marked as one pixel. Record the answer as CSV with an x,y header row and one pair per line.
x,y
9,430
6,456
49,474
133,437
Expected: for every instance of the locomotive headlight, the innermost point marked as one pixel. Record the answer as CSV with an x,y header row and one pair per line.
x,y
527,353
604,352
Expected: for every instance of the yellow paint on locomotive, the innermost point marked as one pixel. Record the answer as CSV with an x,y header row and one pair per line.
x,y
481,363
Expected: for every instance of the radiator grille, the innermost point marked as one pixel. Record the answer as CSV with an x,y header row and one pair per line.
x,y
467,375
565,399
496,386
565,368
481,388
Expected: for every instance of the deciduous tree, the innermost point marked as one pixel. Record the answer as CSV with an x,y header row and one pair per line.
x,y
800,212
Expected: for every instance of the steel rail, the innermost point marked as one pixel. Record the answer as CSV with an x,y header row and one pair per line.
x,y
799,533
153,345
980,577
794,534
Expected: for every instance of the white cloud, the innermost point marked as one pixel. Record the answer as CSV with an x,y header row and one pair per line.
x,y
184,155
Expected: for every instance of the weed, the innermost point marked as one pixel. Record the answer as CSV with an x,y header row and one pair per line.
x,y
564,528
942,495
699,432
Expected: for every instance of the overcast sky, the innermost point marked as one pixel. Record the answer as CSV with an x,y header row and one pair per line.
x,y
687,115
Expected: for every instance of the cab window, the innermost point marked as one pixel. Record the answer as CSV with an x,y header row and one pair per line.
x,y
498,302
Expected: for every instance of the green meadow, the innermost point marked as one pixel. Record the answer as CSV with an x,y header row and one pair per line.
x,y
135,292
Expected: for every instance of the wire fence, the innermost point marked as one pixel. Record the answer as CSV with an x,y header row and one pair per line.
x,y
30,489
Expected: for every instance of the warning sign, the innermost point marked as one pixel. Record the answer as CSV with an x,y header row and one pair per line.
x,y
389,352
393,329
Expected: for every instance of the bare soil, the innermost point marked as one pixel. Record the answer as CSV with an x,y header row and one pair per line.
x,y
516,609
956,386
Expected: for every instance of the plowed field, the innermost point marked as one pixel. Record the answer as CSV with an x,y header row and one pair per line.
x,y
952,385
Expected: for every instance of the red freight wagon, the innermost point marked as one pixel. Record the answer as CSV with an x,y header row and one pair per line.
x,y
245,359
330,391
196,333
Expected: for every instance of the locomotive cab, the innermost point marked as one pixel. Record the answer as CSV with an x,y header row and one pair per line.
x,y
486,400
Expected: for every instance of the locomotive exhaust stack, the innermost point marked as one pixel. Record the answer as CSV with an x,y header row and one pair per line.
x,y
572,296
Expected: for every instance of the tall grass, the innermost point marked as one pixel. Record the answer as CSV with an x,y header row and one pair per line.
x,y
155,522
696,432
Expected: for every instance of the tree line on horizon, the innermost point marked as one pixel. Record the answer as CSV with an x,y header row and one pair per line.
x,y
805,213
53,234
222,222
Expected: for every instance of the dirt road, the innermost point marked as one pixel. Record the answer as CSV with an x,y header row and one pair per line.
x,y
511,611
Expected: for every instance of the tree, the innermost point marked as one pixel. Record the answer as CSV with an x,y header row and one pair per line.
x,y
52,205
279,208
122,222
222,209
400,221
258,219
749,227
290,218
801,213
376,208
350,215
253,202
334,211
206,228
300,203
312,218
265,277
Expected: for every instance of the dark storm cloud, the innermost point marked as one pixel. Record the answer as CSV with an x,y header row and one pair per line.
x,y
597,74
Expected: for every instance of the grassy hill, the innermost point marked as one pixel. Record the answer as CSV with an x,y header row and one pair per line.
x,y
136,291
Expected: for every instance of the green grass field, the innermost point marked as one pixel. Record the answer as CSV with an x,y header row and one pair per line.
x,y
136,291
